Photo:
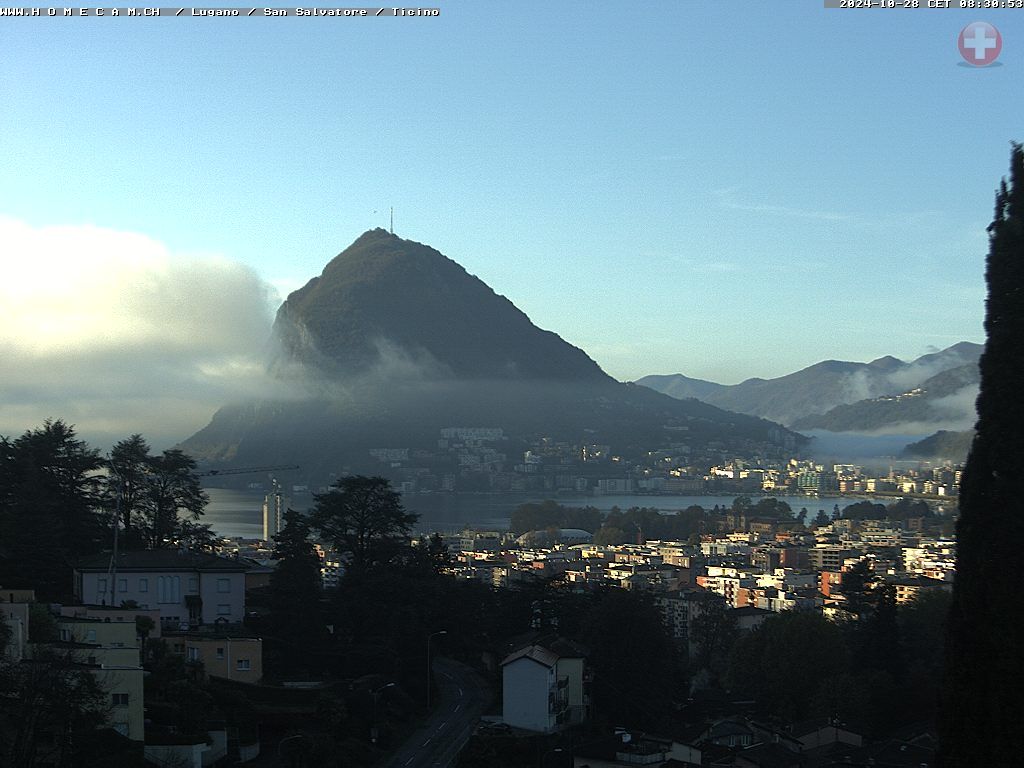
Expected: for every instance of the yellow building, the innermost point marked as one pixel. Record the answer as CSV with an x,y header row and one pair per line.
x,y
227,655
114,615
110,651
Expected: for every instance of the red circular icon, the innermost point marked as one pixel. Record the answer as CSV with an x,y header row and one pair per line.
x,y
980,43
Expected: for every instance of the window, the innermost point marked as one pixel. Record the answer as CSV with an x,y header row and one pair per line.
x,y
224,609
220,653
223,585
101,587
143,585
193,584
243,665
119,699
90,636
64,635
168,589
122,585
192,654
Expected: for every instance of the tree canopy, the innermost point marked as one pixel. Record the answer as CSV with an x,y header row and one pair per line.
x,y
59,498
50,508
364,517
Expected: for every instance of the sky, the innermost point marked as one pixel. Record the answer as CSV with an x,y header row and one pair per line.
x,y
724,190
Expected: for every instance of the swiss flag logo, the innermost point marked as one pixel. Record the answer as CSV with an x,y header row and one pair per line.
x,y
980,43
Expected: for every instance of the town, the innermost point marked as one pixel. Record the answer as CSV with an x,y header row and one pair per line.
x,y
482,459
182,653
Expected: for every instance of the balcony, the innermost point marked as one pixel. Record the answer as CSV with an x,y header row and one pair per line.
x,y
558,700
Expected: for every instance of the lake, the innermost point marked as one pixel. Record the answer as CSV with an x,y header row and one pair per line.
x,y
233,513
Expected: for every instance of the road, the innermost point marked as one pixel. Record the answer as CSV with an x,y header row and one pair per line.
x,y
462,695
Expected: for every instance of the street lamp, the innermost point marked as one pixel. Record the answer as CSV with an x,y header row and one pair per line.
x,y
429,638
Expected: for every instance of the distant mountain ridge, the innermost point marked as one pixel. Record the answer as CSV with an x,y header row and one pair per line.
x,y
796,397
943,445
394,341
920,405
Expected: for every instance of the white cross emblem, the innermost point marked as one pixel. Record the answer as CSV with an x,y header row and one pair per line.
x,y
979,43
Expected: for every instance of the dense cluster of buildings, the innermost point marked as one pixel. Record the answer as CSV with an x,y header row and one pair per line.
x,y
750,574
757,572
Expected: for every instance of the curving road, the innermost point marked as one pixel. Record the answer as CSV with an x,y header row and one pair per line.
x,y
462,695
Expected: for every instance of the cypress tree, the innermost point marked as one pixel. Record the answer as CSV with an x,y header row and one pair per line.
x,y
981,722
295,582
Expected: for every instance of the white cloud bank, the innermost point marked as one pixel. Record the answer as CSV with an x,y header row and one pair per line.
x,y
114,333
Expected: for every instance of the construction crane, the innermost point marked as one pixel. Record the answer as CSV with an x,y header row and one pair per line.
x,y
219,472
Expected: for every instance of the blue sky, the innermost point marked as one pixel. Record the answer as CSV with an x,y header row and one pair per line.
x,y
720,189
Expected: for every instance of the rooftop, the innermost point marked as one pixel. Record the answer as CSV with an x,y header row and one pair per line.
x,y
164,560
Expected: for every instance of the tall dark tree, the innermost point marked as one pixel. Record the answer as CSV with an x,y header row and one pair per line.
x,y
50,508
129,478
364,517
786,661
172,489
981,721
634,687
295,582
50,696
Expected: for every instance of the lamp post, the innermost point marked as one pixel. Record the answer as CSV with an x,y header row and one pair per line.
x,y
429,638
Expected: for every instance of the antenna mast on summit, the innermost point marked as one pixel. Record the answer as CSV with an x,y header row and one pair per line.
x,y
392,220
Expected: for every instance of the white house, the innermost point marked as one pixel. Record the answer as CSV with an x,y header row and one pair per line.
x,y
543,689
186,587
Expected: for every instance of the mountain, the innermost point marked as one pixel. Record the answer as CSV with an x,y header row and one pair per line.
x,y
942,445
394,342
384,298
682,387
947,397
819,388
